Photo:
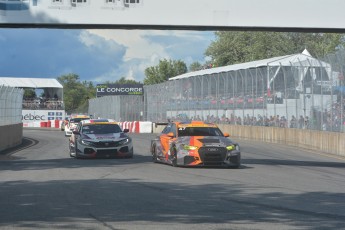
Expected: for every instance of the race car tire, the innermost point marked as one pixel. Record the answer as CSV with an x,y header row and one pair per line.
x,y
154,155
70,150
236,162
71,153
173,153
130,156
75,150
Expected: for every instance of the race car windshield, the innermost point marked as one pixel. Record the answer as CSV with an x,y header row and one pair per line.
x,y
199,131
101,129
77,120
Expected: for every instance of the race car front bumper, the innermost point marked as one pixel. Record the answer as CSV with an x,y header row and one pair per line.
x,y
118,152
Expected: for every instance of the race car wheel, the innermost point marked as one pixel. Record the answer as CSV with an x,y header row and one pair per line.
x,y
71,152
154,154
173,153
75,151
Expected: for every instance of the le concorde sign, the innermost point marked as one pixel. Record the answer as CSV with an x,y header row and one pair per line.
x,y
188,14
119,89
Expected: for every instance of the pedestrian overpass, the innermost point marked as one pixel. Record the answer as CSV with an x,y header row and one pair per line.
x,y
264,15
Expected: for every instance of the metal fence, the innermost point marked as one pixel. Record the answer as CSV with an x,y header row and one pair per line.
x,y
120,108
294,91
10,105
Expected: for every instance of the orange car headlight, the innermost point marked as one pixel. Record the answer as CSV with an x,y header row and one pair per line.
x,y
190,147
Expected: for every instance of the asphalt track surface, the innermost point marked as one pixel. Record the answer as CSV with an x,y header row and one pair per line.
x,y
277,187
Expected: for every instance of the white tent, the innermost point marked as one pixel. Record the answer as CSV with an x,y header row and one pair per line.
x,y
34,83
50,86
301,59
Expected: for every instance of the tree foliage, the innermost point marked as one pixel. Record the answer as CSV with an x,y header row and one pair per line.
x,y
29,93
195,66
123,80
231,47
76,93
163,71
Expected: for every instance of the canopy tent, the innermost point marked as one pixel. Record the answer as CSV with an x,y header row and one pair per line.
x,y
303,58
34,83
50,86
300,66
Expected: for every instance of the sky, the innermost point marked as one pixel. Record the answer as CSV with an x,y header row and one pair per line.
x,y
96,55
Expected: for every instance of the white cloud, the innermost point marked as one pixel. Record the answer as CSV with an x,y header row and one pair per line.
x,y
144,48
134,40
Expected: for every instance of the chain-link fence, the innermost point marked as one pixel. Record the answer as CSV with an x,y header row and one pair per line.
x,y
293,91
120,108
10,105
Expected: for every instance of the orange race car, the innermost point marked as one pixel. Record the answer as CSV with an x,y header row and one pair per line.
x,y
195,143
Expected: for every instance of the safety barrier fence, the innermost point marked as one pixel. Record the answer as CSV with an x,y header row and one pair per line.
x,y
10,105
304,93
297,91
11,128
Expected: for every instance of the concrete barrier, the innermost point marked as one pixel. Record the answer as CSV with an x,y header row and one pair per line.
x,y
10,136
329,142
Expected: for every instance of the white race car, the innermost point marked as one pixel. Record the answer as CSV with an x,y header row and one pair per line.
x,y
72,123
100,138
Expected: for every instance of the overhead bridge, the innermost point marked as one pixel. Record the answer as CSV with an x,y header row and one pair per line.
x,y
264,15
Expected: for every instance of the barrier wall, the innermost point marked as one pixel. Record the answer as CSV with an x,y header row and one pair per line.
x,y
137,126
329,142
10,136
11,128
43,124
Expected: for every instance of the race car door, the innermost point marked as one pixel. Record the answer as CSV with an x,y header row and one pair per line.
x,y
165,140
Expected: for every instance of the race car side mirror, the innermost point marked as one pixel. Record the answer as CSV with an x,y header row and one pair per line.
x,y
126,130
226,135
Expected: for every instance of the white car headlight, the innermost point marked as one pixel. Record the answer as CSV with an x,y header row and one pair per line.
x,y
124,141
86,142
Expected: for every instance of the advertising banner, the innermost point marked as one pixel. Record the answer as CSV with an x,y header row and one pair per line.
x,y
119,89
294,14
42,115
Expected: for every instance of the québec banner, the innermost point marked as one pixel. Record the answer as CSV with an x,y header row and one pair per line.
x,y
119,89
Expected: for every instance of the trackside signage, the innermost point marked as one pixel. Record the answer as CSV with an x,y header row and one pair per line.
x,y
119,89
29,116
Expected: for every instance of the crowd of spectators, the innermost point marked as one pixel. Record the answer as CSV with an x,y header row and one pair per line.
x,y
43,103
333,120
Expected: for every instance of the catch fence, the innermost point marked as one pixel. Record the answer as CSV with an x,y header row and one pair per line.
x,y
293,91
296,91
10,105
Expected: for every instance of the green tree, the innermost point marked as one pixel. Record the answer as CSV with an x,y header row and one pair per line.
x,y
195,66
231,47
122,80
75,92
163,71
29,93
